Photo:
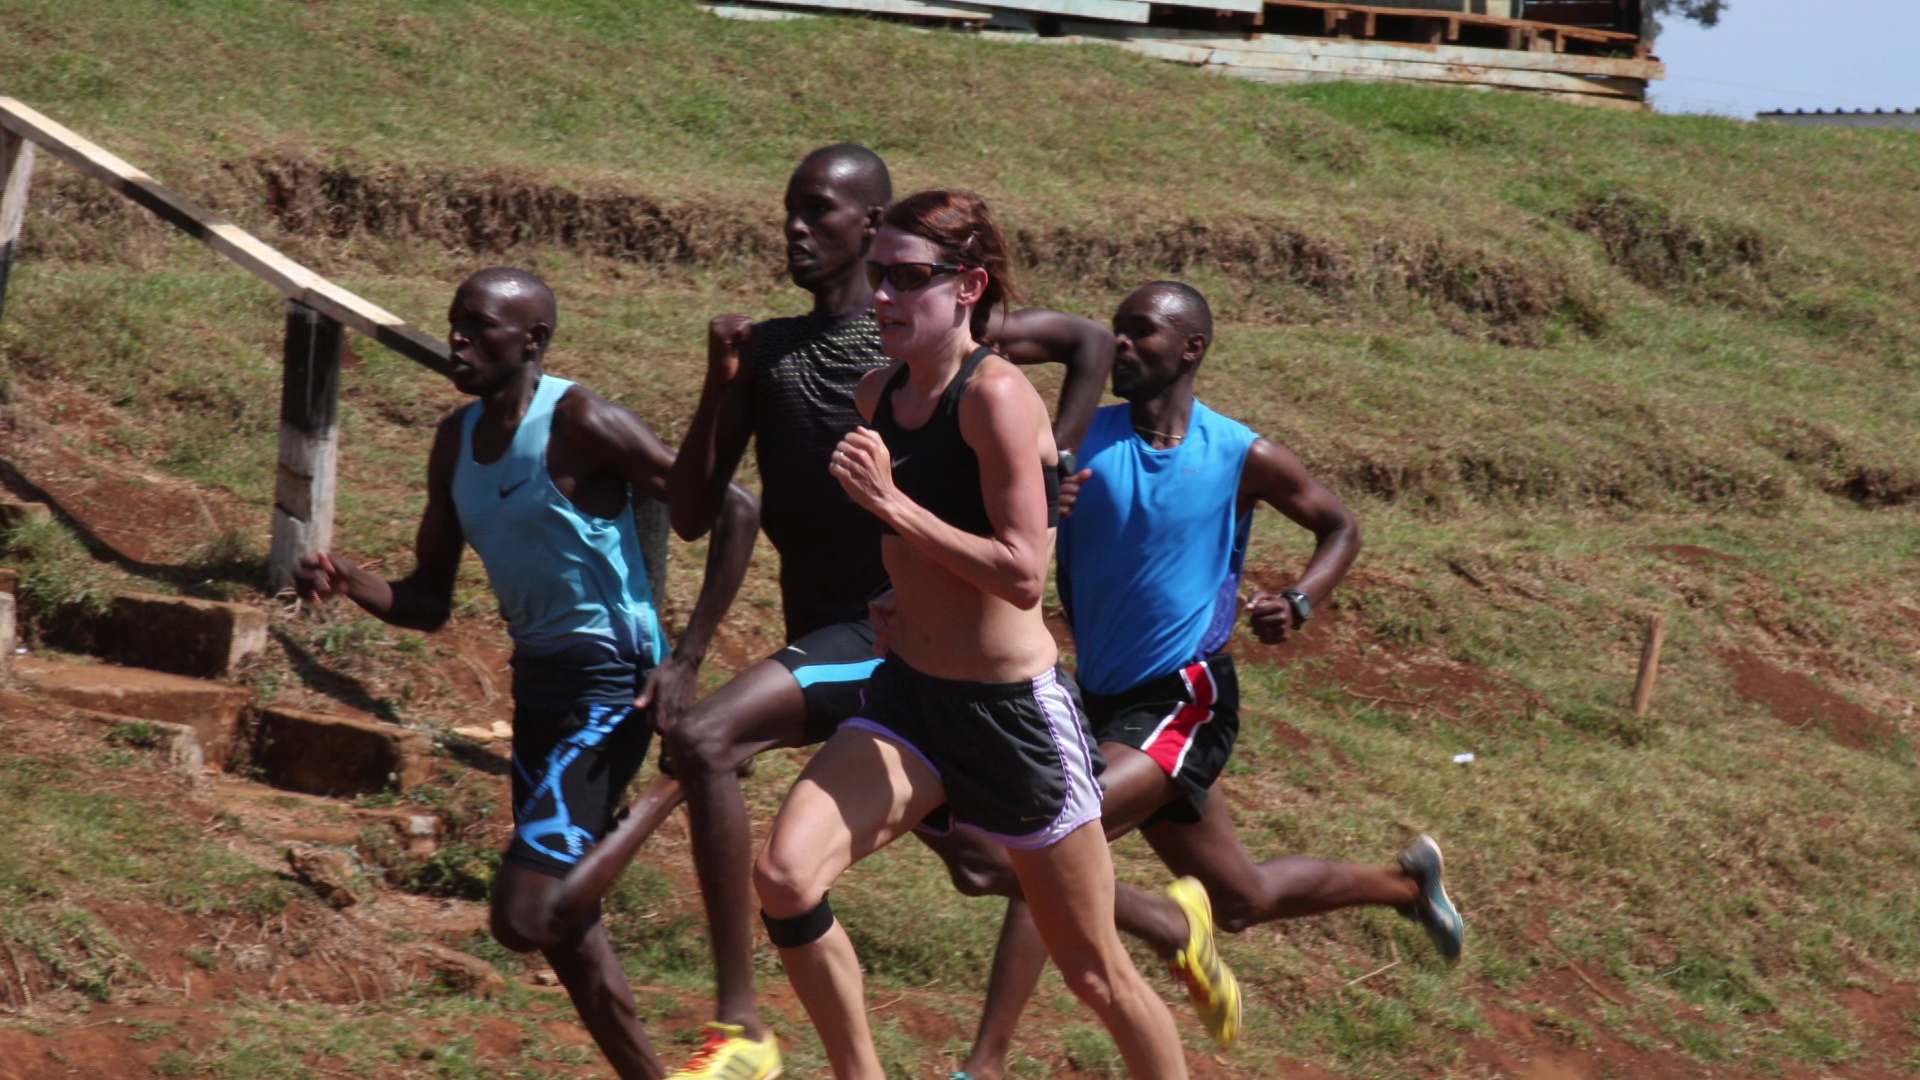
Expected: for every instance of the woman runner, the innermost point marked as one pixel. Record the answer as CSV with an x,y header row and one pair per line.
x,y
969,719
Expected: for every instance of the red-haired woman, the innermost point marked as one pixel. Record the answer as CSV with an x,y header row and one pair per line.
x,y
969,720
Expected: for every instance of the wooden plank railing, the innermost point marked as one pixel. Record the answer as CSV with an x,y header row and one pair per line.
x,y
317,310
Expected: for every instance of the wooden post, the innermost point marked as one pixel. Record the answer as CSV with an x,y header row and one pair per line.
x,y
309,439
651,523
1649,664
16,169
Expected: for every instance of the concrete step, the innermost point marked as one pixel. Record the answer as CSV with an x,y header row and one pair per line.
x,y
213,710
15,512
185,755
329,754
205,639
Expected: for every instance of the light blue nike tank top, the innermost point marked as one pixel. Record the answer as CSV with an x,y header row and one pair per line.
x,y
1150,558
572,587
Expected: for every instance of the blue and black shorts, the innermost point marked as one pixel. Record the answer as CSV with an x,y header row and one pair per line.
x,y
570,769
832,666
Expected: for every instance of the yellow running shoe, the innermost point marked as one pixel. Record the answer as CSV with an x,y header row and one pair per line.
x,y
1210,983
729,1055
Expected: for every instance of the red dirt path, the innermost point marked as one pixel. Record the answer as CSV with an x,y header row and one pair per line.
x,y
1798,701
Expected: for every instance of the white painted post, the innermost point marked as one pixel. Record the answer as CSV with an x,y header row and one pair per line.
x,y
16,169
309,440
1649,664
7,632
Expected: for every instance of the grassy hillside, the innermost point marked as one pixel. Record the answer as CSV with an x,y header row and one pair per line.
x,y
1571,367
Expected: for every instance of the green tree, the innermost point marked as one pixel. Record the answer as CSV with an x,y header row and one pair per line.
x,y
1704,12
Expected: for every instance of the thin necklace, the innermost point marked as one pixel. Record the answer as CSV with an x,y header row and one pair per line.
x,y
1162,434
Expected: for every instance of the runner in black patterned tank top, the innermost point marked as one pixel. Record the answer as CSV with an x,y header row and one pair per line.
x,y
788,385
800,404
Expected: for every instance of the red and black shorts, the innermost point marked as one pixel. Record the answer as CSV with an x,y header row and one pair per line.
x,y
1187,722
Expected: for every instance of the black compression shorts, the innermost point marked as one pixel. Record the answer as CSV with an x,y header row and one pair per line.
x,y
832,666
570,768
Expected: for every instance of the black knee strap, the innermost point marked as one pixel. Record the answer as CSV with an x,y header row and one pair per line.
x,y
802,929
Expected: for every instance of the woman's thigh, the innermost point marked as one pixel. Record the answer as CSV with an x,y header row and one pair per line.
x,y
1069,886
858,794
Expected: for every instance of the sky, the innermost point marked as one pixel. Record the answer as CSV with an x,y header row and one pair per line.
x,y
1793,54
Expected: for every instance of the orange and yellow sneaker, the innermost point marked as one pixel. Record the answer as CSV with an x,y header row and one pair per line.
x,y
729,1055
1211,987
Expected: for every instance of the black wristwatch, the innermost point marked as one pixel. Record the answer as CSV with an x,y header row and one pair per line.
x,y
1302,606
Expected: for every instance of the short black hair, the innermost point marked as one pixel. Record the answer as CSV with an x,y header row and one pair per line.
x,y
509,281
859,168
1183,305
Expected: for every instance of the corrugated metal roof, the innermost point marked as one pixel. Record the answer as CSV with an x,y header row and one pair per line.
x,y
1841,112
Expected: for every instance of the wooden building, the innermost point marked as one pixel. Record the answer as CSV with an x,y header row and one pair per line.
x,y
1592,52
1899,119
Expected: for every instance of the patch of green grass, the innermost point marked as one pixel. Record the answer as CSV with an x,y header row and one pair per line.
x,y
80,846
657,935
56,571
1090,1050
135,734
76,949
458,869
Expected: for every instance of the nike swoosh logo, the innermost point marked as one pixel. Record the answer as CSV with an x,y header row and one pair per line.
x,y
511,488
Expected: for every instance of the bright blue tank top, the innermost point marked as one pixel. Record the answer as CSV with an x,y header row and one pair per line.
x,y
572,587
1150,558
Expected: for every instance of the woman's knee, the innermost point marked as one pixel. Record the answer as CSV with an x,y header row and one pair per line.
x,y
786,884
1096,983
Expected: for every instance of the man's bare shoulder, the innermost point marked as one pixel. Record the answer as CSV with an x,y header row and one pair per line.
x,y
583,417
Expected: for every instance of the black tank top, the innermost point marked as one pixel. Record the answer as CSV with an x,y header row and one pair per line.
x,y
934,466
804,378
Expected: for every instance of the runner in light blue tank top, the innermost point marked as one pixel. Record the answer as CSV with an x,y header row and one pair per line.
x,y
540,476
573,587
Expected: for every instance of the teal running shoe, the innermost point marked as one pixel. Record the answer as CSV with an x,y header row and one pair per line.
x,y
1433,911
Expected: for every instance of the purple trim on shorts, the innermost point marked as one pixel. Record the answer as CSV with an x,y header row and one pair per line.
x,y
1082,801
861,723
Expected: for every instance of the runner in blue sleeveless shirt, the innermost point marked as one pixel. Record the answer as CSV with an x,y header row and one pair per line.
x,y
1152,542
538,475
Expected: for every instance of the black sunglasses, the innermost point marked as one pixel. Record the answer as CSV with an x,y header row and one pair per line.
x,y
908,276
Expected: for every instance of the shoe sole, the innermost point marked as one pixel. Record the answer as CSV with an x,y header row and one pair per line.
x,y
1439,884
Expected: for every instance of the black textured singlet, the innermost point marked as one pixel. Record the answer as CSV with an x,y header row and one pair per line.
x,y
934,466
801,405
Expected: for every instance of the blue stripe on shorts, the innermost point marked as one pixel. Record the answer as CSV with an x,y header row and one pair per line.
x,y
858,671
